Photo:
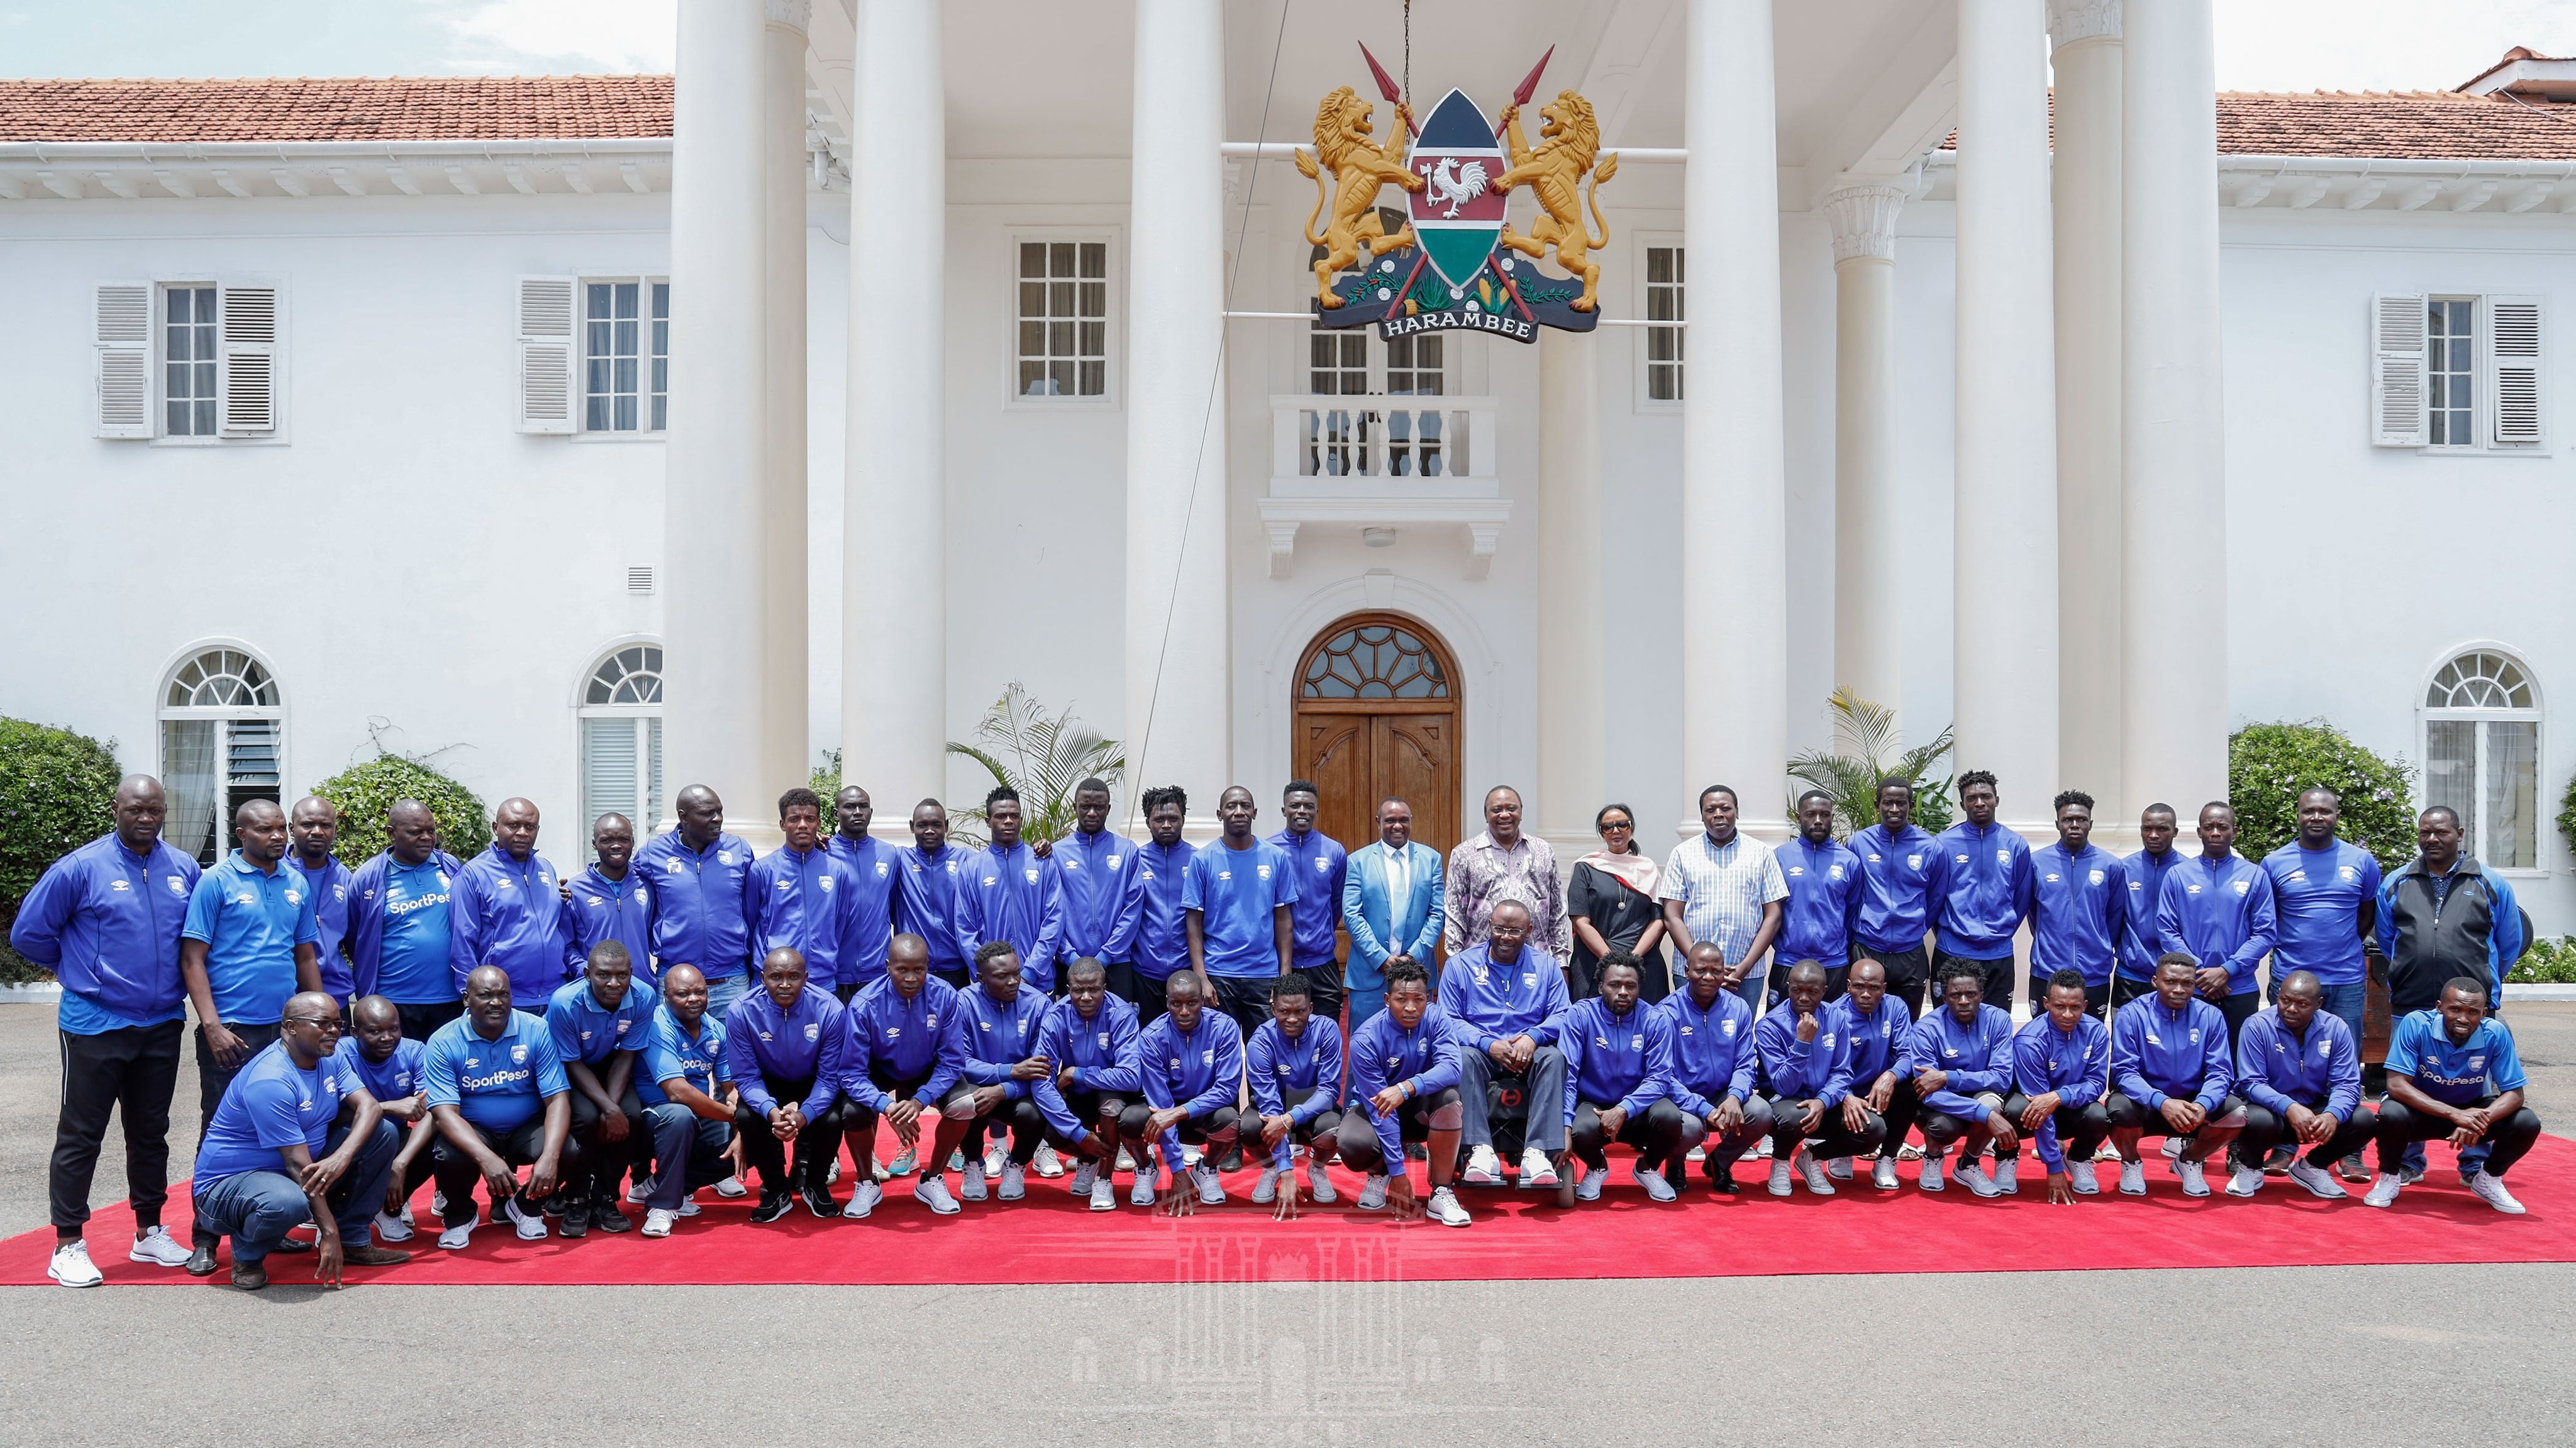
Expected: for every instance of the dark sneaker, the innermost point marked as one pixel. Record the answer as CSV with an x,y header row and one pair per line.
x,y
605,1216
820,1203
576,1220
249,1276
201,1262
772,1208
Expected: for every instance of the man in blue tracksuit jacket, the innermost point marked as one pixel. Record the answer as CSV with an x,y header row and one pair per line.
x,y
1962,1063
1096,875
1901,886
2217,908
928,874
1293,1068
1877,1031
783,1045
2079,913
1713,1070
866,894
1810,1070
1162,878
1091,1040
1404,1087
997,1036
1823,876
1191,1067
505,910
1986,885
702,911
611,900
900,1058
1619,1081
795,893
2062,1084
313,826
1005,892
2299,1072
1503,995
2172,1074
2141,879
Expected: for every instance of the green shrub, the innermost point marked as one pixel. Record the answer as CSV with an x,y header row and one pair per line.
x,y
2567,814
2551,960
2269,764
1865,732
366,793
57,793
826,781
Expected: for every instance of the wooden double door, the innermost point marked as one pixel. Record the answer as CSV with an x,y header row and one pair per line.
x,y
1377,715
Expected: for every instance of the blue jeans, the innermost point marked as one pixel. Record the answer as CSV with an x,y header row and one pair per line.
x,y
256,1208
688,1153
723,991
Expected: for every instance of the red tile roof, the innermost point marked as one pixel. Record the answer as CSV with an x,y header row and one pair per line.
x,y
462,108
2427,125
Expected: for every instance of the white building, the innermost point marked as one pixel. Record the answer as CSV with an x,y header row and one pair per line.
x,y
415,409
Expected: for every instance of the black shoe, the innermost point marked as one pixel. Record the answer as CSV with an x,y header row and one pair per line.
x,y
1722,1183
557,1205
605,1216
576,1220
1232,1160
290,1246
201,1262
249,1276
772,1208
819,1201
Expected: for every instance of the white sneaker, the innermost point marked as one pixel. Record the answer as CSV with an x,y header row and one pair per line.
x,y
1931,1180
1126,1160
637,1194
2106,1152
71,1265
2008,1176
994,1157
972,1186
455,1238
2318,1181
2133,1178
688,1207
932,1192
1266,1190
2383,1192
1049,1165
2245,1181
1779,1178
1657,1189
1812,1172
1909,1152
1697,1154
1104,1194
2172,1148
1373,1193
438,1201
1084,1174
906,1164
1973,1176
1015,1182
2195,1181
1587,1187
1882,1174
1445,1209
1537,1172
1484,1169
2085,1182
2490,1190
392,1229
156,1248
1762,1150
657,1222
1318,1185
732,1187
531,1225
1839,1168
1142,1193
863,1200
1211,1190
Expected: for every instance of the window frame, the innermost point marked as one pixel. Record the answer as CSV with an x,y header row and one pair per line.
x,y
1645,243
2537,715
644,281
158,359
1114,272
647,741
165,713
2480,405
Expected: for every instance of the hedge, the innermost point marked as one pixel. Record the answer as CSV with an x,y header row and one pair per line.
x,y
2268,765
2551,960
366,793
57,793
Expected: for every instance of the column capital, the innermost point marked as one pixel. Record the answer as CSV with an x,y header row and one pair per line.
x,y
1864,220
796,15
2070,21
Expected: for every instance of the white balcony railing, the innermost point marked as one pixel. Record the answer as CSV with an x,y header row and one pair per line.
x,y
1381,463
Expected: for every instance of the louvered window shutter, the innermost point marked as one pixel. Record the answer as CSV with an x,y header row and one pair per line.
x,y
2397,370
248,353
546,339
2513,353
124,361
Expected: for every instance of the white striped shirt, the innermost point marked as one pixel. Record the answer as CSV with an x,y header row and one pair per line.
x,y
1723,889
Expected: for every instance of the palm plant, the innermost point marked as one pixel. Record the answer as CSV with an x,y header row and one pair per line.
x,y
1865,733
1041,756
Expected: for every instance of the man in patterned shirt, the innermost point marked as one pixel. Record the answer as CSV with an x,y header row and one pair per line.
x,y
1724,887
1499,865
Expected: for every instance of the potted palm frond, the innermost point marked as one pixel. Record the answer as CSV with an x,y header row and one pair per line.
x,y
1865,733
1040,755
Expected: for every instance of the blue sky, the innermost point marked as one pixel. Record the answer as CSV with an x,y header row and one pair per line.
x,y
2262,44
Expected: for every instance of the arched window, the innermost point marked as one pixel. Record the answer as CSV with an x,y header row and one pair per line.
x,y
223,744
1374,660
2482,755
621,740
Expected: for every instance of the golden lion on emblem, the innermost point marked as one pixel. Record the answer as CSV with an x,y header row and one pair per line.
x,y
1360,169
1569,138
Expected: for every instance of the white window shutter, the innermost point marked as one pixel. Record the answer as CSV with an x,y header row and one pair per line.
x,y
124,363
247,369
2513,355
2397,370
546,338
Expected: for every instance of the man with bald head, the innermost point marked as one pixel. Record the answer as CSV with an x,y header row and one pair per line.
x,y
783,1049
250,942
2298,1069
105,919
928,874
496,1090
388,1064
398,923
506,911
899,1057
1505,997
611,900
867,895
702,913
312,828
689,1098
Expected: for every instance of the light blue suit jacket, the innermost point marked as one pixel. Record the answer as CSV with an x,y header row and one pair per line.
x,y
1377,928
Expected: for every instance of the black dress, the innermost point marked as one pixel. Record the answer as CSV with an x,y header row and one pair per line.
x,y
1621,915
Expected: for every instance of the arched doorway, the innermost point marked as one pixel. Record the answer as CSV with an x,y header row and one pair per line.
x,y
1377,714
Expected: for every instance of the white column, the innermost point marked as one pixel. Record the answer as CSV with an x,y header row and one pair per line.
x,y
1178,724
713,653
2004,617
1734,661
2173,463
894,615
2086,35
784,759
1572,681
1869,545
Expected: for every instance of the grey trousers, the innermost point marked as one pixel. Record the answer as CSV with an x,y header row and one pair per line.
x,y
1542,1086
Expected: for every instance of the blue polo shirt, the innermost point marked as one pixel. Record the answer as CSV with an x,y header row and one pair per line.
x,y
329,887
2455,1074
495,1083
671,1053
412,965
251,920
1236,891
588,1032
1824,896
2317,897
1319,865
106,922
391,1079
270,1106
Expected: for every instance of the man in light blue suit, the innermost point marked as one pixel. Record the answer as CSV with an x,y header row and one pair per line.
x,y
1391,907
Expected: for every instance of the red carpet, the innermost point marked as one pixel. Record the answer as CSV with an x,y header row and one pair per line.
x,y
1050,1238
